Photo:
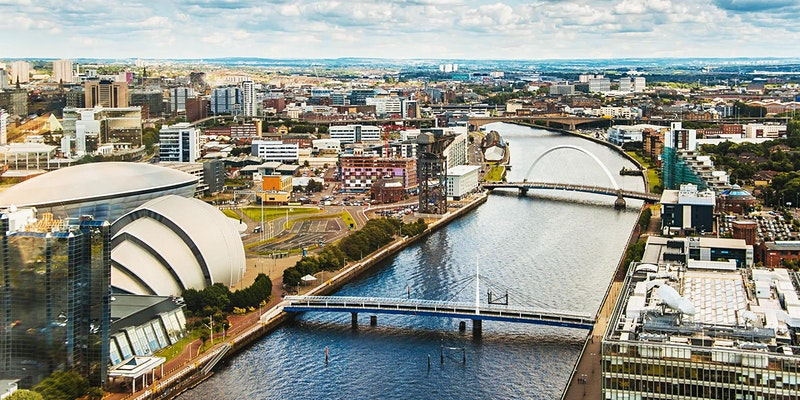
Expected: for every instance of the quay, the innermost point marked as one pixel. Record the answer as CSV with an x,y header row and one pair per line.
x,y
191,371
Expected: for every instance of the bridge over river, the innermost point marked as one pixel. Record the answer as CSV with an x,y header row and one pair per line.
x,y
432,308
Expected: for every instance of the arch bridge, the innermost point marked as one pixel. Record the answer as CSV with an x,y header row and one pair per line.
x,y
614,190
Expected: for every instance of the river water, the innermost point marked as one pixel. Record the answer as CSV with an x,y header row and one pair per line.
x,y
542,250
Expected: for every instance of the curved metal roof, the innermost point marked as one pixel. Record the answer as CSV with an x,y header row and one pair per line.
x,y
88,181
182,240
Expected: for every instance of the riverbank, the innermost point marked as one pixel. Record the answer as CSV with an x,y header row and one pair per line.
x,y
197,369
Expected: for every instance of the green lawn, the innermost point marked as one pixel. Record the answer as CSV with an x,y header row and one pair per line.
x,y
230,213
254,213
653,177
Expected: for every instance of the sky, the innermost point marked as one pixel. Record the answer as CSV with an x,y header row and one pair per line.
x,y
399,29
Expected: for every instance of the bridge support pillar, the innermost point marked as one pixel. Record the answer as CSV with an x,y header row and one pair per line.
x,y
619,203
572,127
477,328
523,191
462,326
373,320
354,320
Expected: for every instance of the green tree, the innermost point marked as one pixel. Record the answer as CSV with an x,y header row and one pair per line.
x,y
24,394
62,385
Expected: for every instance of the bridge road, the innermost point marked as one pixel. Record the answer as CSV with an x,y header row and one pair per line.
x,y
586,382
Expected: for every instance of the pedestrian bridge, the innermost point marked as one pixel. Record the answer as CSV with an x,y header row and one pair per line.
x,y
523,188
432,308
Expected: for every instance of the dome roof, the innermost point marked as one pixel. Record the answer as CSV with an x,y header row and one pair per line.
x,y
90,188
87,181
736,191
174,243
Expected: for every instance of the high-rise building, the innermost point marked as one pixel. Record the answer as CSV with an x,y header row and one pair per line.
x,y
639,84
4,84
355,133
599,85
249,99
179,142
55,279
227,100
177,99
20,72
562,89
151,101
106,93
15,101
625,84
62,71
92,127
275,150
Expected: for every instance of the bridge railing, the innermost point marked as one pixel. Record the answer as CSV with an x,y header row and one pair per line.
x,y
386,302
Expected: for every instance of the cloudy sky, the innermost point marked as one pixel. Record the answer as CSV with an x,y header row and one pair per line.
x,y
472,29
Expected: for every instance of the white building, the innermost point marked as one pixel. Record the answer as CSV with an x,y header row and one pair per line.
x,y
601,85
619,134
62,71
386,106
326,145
764,131
275,150
179,142
4,79
20,72
639,84
562,89
462,180
625,84
355,133
249,107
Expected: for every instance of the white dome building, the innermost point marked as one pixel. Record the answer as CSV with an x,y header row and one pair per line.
x,y
174,243
104,190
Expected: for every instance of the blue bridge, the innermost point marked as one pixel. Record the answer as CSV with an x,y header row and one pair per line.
x,y
431,308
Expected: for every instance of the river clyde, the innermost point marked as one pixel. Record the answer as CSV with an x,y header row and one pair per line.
x,y
544,251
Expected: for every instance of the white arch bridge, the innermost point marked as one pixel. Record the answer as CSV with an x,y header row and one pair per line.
x,y
431,308
614,190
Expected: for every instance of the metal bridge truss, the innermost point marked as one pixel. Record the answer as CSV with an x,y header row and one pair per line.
x,y
525,186
434,308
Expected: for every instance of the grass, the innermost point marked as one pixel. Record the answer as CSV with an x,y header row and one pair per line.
x,y
254,213
653,177
230,213
348,219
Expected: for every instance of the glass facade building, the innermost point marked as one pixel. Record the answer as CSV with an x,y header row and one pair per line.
x,y
54,308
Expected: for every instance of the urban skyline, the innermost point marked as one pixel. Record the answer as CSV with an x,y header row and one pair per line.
x,y
402,29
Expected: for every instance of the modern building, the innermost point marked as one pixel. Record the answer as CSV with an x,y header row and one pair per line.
x,y
3,127
249,102
4,84
386,106
20,72
151,101
704,330
689,249
736,200
192,168
226,100
177,99
625,84
355,133
104,190
214,176
276,183
687,210
86,129
275,150
62,71
639,84
165,246
620,134
55,306
772,131
15,101
562,89
359,173
599,85
179,142
105,93
27,156
462,180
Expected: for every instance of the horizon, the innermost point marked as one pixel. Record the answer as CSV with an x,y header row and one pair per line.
x,y
401,29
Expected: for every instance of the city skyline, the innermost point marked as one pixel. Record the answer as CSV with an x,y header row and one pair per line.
x,y
401,29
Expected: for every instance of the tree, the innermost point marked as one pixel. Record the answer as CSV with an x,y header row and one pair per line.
x,y
24,394
63,385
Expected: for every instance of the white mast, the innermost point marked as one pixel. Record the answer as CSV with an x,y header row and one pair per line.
x,y
477,287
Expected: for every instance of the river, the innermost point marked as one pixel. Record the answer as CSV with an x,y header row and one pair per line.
x,y
546,252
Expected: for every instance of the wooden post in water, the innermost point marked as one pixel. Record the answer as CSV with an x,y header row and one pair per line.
x,y
373,320
354,319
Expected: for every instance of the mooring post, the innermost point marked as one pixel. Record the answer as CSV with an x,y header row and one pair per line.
x,y
441,353
326,355
462,326
354,319
373,320
429,362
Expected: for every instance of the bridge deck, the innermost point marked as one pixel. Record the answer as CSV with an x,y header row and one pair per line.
x,y
649,197
491,312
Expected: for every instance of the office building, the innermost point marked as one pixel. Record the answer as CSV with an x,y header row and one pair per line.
x,y
386,107
4,84
15,101
687,210
90,128
355,133
55,277
562,89
105,93
685,250
151,101
704,330
359,172
3,127
599,85
358,97
62,71
275,150
179,142
227,100
214,175
20,72
462,180
625,84
639,84
177,99
249,103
